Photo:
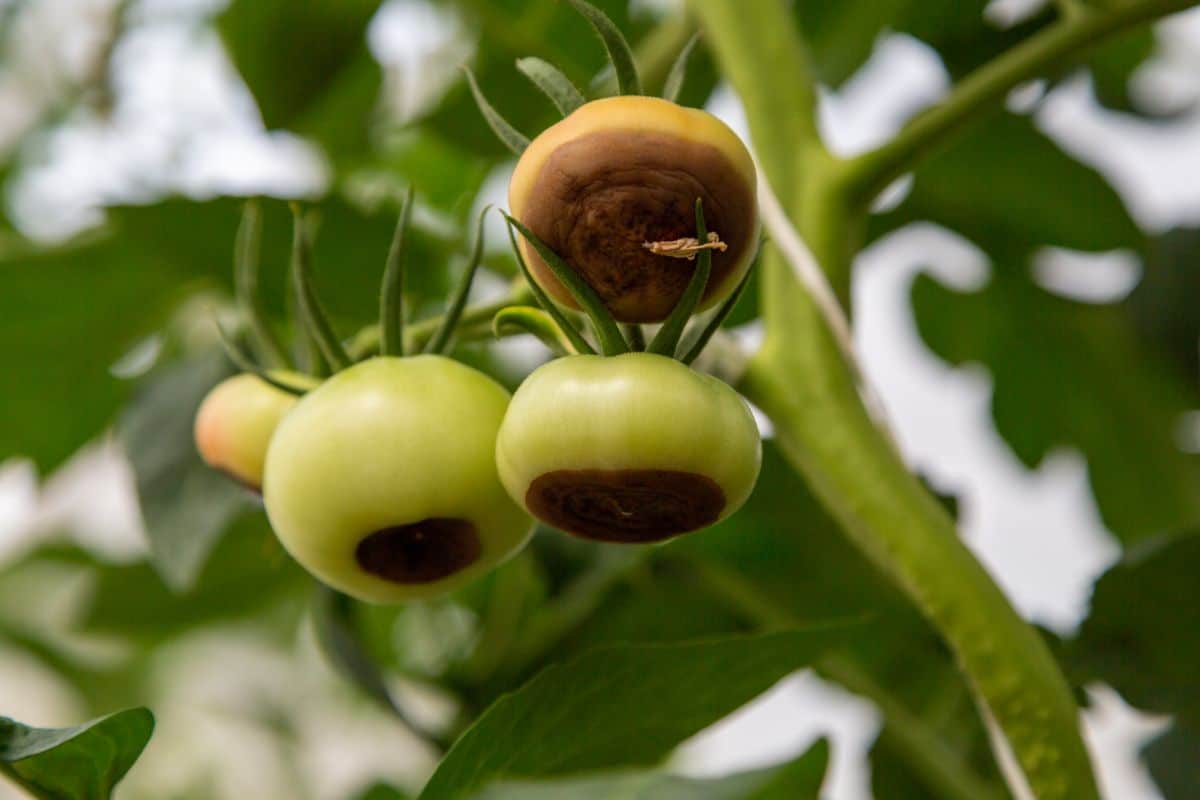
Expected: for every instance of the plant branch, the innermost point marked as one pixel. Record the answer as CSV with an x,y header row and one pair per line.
x,y
868,174
801,380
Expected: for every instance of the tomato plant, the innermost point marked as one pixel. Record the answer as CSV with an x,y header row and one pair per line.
x,y
400,506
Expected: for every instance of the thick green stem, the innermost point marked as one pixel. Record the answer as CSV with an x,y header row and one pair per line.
x,y
800,381
986,87
799,378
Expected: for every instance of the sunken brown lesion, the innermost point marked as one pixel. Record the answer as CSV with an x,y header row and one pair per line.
x,y
601,197
421,552
633,506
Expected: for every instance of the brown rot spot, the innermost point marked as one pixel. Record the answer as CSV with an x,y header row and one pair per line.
x,y
600,198
633,506
422,552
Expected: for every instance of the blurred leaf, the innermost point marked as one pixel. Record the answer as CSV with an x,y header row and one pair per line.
x,y
1142,634
82,763
185,505
247,574
1165,305
1066,373
337,633
799,779
1142,637
307,65
1072,374
574,715
1174,760
442,174
66,314
1008,188
383,791
842,36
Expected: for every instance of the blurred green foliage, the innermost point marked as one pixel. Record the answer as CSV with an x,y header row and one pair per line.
x,y
1110,380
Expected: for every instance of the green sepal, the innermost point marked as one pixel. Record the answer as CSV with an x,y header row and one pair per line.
x,y
536,322
675,78
312,316
607,331
245,281
391,294
553,83
242,360
512,138
635,335
619,52
560,319
440,341
667,338
694,345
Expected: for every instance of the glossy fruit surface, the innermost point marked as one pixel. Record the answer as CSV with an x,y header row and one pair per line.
x,y
236,420
631,448
623,172
383,484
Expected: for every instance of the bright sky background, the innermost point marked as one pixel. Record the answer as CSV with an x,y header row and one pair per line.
x,y
184,123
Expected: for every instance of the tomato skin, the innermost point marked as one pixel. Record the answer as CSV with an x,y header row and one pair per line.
x,y
391,442
622,171
236,420
635,411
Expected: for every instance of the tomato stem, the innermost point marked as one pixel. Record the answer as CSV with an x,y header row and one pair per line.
x,y
667,338
391,294
312,316
440,341
512,138
245,279
611,341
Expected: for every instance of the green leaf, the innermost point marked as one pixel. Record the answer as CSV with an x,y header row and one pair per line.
x,y
337,633
1092,381
1074,374
1142,634
246,577
308,66
575,716
185,505
82,763
66,315
1174,760
799,779
841,37
1142,637
1024,191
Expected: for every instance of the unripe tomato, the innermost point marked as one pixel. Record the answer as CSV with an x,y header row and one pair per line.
x,y
632,448
624,172
235,423
382,482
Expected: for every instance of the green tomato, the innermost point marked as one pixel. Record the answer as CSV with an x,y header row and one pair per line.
x,y
382,482
632,448
236,420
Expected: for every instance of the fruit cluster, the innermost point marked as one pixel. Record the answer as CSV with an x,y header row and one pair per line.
x,y
405,475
